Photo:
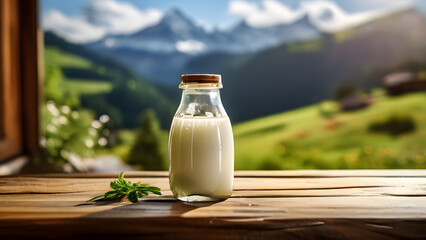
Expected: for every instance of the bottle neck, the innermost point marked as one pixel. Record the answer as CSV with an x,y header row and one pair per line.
x,y
201,102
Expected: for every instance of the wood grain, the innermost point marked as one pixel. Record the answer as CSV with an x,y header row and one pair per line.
x,y
11,141
265,174
354,204
31,51
19,78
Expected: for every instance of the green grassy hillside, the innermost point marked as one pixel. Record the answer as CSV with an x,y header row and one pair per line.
x,y
304,139
102,84
301,73
63,60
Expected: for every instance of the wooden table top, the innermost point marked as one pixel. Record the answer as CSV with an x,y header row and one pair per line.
x,y
341,204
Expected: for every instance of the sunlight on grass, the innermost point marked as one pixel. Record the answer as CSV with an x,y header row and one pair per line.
x,y
309,140
81,86
53,56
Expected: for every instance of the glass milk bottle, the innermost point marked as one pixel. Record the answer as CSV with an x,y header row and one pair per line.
x,y
201,145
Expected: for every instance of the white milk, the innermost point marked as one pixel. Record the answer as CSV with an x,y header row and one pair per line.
x,y
201,154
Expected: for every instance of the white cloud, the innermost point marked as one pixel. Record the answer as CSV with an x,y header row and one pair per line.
x,y
73,29
329,17
121,17
271,13
102,17
326,15
190,46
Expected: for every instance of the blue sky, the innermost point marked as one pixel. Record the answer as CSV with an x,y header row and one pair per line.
x,y
96,18
212,12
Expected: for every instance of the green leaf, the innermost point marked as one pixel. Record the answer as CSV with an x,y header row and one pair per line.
x,y
114,185
143,194
157,193
96,198
122,188
133,197
111,194
154,190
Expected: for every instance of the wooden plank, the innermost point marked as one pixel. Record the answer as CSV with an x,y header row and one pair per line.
x,y
241,208
31,194
361,205
184,228
268,174
63,185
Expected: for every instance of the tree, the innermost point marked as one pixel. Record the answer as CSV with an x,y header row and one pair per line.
x,y
344,90
146,151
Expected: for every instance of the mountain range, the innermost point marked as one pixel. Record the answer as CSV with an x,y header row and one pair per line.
x,y
272,69
176,32
176,39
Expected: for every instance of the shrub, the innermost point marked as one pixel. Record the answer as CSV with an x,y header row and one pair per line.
x,y
343,91
328,109
69,134
393,125
270,164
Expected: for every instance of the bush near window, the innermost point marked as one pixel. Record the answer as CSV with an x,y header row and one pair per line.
x,y
68,131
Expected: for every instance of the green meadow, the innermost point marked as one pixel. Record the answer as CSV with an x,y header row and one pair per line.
x,y
305,139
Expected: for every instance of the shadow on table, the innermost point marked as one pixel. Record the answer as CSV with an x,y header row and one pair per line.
x,y
149,207
151,218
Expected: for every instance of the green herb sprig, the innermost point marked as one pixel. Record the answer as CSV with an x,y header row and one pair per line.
x,y
123,188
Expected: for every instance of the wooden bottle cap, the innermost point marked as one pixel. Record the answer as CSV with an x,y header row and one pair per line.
x,y
200,80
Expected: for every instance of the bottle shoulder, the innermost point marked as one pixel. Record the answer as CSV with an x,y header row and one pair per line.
x,y
201,104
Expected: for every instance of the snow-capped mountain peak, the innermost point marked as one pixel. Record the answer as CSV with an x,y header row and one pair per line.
x,y
177,32
177,21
